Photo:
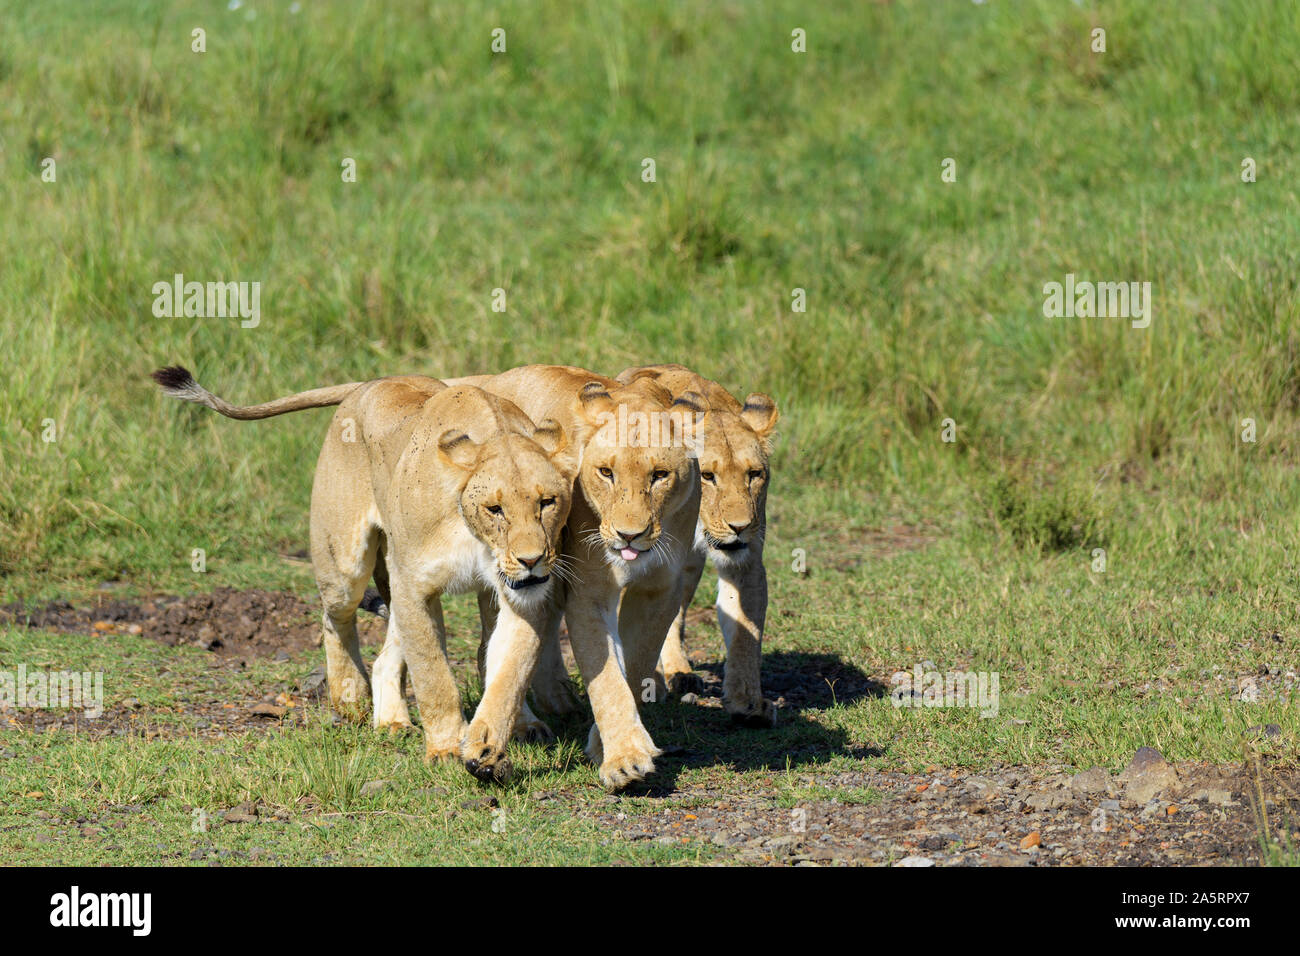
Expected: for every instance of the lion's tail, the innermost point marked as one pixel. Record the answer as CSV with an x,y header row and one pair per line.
x,y
177,382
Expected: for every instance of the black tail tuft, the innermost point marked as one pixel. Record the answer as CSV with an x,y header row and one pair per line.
x,y
373,602
174,378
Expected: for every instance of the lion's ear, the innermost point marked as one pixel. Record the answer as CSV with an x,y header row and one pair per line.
x,y
457,450
689,411
595,401
630,375
550,436
760,414
692,400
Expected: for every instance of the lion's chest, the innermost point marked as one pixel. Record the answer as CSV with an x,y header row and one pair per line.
x,y
457,563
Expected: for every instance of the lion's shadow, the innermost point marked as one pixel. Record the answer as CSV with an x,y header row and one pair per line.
x,y
701,734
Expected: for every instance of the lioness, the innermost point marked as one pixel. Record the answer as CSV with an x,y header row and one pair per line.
x,y
431,490
733,445
630,531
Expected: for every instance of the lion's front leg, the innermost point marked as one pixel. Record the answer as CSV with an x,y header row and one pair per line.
x,y
676,675
619,743
421,633
645,616
508,665
742,610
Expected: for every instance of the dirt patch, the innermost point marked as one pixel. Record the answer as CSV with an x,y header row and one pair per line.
x,y
228,622
1011,816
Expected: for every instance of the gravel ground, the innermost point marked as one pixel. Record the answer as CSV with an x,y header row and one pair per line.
x,y
1154,813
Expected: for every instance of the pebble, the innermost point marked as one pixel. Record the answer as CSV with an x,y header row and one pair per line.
x,y
915,861
1093,780
1147,775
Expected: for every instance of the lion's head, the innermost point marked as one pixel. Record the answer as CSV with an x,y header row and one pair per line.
x,y
515,498
733,450
637,467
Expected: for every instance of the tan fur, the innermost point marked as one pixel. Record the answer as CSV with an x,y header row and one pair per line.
x,y
433,490
618,611
733,442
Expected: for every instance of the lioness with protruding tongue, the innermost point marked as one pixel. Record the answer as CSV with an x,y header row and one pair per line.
x,y
629,534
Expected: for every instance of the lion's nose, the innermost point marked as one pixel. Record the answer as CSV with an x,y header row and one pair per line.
x,y
528,562
737,528
630,536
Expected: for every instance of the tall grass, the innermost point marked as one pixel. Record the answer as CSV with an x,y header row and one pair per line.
x,y
775,170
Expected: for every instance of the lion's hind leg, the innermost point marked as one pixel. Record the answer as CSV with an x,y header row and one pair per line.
x,y
388,676
344,542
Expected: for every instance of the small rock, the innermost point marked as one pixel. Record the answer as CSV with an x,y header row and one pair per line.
x,y
266,709
1263,730
1032,840
282,655
982,787
689,698
1048,800
373,787
244,813
313,684
1147,775
1215,796
915,861
480,803
1091,781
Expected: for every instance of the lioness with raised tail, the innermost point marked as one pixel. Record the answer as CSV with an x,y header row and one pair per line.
x,y
630,531
430,489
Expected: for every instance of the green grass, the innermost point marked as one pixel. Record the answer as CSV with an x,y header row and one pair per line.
x,y
775,171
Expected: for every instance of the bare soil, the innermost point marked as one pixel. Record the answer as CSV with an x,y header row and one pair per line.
x,y
1011,816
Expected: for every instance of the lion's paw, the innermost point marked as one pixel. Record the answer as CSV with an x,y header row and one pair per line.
x,y
685,682
624,763
441,754
555,696
758,713
485,758
533,732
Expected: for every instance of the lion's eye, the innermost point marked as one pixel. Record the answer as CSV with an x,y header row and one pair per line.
x,y
495,510
756,474
607,473
659,475
548,502
708,476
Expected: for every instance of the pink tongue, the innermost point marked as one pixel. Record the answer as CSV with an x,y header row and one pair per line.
x,y
629,554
